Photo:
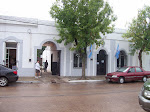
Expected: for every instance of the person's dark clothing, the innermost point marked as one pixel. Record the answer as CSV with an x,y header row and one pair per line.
x,y
45,66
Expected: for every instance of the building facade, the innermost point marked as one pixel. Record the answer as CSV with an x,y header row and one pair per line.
x,y
21,38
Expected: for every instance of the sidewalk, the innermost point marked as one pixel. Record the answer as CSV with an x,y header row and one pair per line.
x,y
47,78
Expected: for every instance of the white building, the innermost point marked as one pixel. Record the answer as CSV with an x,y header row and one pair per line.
x,y
20,38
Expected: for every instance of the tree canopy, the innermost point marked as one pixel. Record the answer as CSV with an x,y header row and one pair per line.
x,y
138,33
81,21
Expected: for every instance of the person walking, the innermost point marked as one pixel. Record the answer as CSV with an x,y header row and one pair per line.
x,y
37,69
45,66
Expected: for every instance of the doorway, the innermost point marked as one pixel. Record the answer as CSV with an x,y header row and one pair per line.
x,y
50,54
101,62
11,51
122,60
55,64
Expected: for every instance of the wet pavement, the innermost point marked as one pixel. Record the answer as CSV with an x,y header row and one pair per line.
x,y
70,97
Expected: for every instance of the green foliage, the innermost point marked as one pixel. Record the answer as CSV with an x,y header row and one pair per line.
x,y
40,51
81,21
138,32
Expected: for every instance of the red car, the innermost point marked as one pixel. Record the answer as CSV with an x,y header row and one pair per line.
x,y
131,73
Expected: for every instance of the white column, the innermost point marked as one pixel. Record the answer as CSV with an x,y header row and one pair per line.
x,y
71,62
4,53
94,63
89,64
30,41
65,61
47,56
17,58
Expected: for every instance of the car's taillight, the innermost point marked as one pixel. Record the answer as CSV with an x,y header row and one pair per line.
x,y
15,72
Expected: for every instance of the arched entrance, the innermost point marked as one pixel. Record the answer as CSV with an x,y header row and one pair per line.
x,y
50,54
11,53
101,62
122,60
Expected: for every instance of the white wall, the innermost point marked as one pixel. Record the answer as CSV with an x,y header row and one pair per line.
x,y
146,61
47,56
41,31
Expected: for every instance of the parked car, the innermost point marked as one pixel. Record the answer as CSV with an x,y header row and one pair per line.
x,y
7,75
130,73
144,96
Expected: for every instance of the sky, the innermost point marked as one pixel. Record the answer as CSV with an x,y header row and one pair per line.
x,y
125,10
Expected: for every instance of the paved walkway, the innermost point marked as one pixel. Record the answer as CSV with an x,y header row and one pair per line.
x,y
48,78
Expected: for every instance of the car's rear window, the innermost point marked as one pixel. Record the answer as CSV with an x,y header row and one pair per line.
x,y
123,69
138,69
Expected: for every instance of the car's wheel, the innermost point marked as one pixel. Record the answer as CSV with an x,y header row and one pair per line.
x,y
121,80
3,81
144,79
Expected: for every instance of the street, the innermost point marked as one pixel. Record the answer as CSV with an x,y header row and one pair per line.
x,y
70,97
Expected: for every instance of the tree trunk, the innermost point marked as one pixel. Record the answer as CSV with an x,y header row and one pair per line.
x,y
83,66
140,58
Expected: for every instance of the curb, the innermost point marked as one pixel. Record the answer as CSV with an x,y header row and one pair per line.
x,y
27,82
86,80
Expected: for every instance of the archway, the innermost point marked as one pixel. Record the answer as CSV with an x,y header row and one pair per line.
x,y
102,62
122,60
50,54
